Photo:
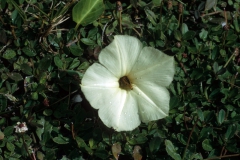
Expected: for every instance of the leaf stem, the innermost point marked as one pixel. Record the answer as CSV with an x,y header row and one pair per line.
x,y
76,27
137,32
229,60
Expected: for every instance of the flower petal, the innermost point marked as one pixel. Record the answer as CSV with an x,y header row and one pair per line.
x,y
153,101
117,107
121,54
98,75
153,66
122,114
98,96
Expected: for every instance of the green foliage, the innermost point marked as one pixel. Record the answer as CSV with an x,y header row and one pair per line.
x,y
87,11
44,54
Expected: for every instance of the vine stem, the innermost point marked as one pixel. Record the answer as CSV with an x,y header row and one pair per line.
x,y
217,12
189,138
226,156
119,9
58,100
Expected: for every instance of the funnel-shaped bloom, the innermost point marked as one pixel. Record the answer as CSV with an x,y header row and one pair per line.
x,y
129,84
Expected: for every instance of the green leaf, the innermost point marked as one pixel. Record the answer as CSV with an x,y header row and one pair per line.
x,y
177,35
8,131
236,24
8,85
182,138
76,50
58,62
200,114
92,33
110,29
40,155
103,154
196,73
47,112
223,52
34,96
210,3
29,52
232,37
184,28
171,150
221,116
189,35
174,102
10,146
61,140
74,63
2,121
140,139
156,2
84,65
87,41
81,144
206,144
26,69
45,63
154,144
215,67
19,10
127,22
232,129
40,130
87,11
15,76
197,156
9,54
151,16
203,34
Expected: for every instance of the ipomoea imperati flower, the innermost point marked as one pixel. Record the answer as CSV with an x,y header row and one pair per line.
x,y
129,84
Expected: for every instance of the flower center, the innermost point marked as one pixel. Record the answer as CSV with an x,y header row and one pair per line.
x,y
124,83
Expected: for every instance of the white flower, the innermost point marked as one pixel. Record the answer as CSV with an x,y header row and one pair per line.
x,y
21,127
129,84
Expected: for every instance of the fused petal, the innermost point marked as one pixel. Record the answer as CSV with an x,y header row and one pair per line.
x,y
121,54
117,107
153,101
122,113
153,66
97,75
99,97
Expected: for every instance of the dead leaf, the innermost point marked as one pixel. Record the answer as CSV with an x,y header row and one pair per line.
x,y
116,150
137,153
1,135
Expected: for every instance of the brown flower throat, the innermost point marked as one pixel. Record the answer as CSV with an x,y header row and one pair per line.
x,y
124,83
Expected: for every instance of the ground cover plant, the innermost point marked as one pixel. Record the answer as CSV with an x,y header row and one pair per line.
x,y
46,46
